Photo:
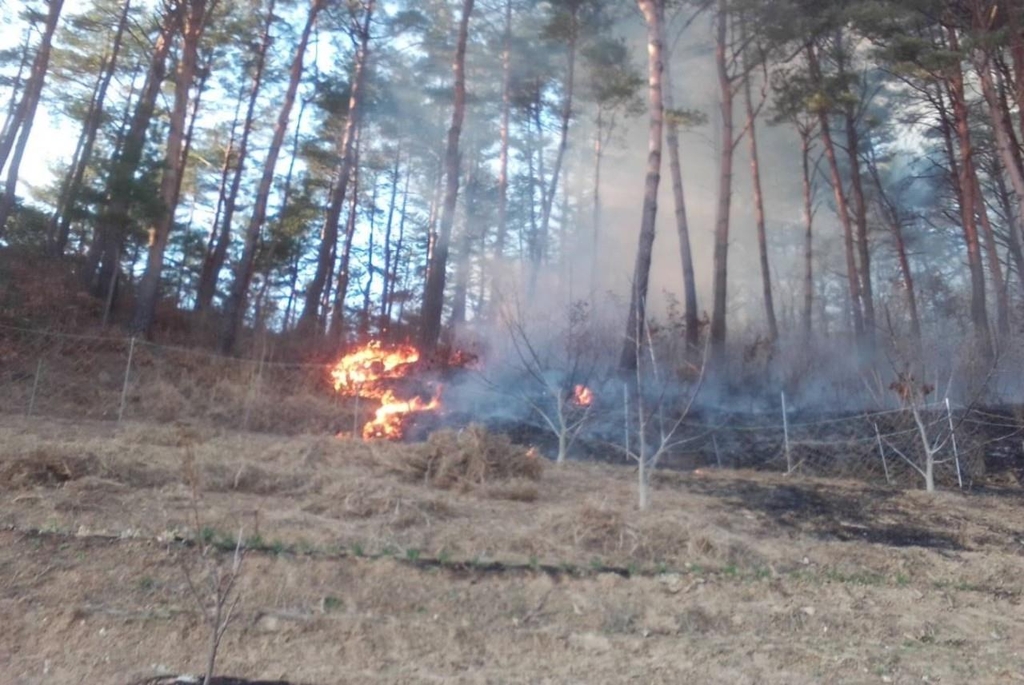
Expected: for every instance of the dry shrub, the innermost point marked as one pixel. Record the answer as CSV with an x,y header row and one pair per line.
x,y
516,490
597,530
249,478
465,458
47,469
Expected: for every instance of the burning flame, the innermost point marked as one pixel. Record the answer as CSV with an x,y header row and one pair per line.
x,y
389,419
366,372
583,396
360,372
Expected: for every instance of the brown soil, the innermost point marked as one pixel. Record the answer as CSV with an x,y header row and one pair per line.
x,y
359,573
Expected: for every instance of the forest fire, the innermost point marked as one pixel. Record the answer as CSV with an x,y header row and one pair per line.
x,y
371,372
583,396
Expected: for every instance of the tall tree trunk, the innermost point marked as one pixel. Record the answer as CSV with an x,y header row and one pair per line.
x,y
860,211
309,320
565,117
433,294
469,221
725,159
653,11
194,19
21,128
506,106
389,224
102,260
397,259
805,168
235,305
13,100
682,223
755,175
1012,239
214,261
205,289
842,207
995,266
958,97
364,315
892,214
337,325
1006,145
60,223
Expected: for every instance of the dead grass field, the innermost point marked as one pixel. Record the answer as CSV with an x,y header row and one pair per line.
x,y
379,563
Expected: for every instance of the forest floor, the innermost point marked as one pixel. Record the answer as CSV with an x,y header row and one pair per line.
x,y
359,573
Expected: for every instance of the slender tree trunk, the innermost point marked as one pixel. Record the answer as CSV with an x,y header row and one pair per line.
x,y
957,94
60,225
725,160
463,265
206,288
364,318
1012,239
308,321
805,167
1002,127
118,194
682,223
995,266
563,143
337,325
21,128
193,24
842,208
235,305
653,11
386,272
433,295
506,106
214,262
755,175
397,260
860,212
13,101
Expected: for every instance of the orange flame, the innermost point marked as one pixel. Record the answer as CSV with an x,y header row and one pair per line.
x,y
583,396
389,420
360,372
365,372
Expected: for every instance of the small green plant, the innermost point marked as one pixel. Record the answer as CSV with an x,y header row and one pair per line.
x,y
331,603
207,534
444,558
146,583
762,573
255,542
412,554
357,550
731,570
596,564
902,580
632,569
278,547
534,562
661,568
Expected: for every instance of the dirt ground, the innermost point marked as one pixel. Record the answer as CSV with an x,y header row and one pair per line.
x,y
359,573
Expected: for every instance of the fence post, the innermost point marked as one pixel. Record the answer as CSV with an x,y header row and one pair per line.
x,y
127,375
956,452
35,387
881,451
785,435
355,417
625,409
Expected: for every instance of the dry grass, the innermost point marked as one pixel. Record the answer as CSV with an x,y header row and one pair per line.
x,y
465,459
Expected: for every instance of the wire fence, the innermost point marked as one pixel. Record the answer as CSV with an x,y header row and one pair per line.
x,y
81,377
